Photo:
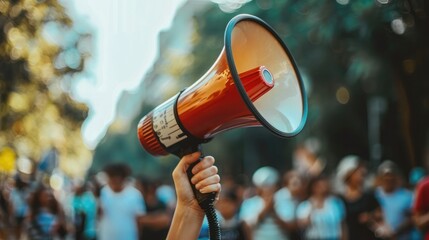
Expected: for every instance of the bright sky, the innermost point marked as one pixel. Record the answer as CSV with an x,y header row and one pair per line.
x,y
125,46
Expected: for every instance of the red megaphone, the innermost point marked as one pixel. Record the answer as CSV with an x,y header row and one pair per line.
x,y
254,82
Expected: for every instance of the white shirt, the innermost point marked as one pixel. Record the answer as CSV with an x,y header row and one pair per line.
x,y
268,228
286,203
120,211
325,222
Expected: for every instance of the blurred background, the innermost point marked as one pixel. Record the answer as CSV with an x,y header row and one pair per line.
x,y
364,65
77,76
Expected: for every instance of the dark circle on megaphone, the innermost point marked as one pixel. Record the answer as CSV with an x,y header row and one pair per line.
x,y
267,76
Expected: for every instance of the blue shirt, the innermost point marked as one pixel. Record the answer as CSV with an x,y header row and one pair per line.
x,y
46,221
396,207
87,204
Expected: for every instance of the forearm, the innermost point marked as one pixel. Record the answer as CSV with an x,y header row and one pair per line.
x,y
344,231
186,224
247,231
422,221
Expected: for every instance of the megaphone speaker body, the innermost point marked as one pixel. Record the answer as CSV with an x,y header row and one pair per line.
x,y
254,82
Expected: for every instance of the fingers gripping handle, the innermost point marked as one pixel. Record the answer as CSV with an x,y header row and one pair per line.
x,y
204,199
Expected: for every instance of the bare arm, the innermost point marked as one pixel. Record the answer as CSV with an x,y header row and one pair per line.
x,y
186,223
420,213
188,217
422,221
344,231
247,231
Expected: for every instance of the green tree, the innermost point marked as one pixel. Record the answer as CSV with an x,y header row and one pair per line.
x,y
41,51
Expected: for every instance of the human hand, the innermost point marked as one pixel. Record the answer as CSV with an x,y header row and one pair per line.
x,y
383,231
205,180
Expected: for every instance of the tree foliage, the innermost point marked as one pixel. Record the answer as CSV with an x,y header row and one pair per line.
x,y
41,50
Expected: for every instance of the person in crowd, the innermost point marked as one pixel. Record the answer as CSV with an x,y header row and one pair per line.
x,y
154,225
232,227
396,201
95,186
166,194
268,218
18,199
46,218
85,212
322,215
188,216
364,216
121,205
306,158
291,194
421,207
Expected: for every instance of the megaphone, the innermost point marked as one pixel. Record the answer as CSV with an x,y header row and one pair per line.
x,y
254,82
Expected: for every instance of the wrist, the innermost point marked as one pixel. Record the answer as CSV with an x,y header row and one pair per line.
x,y
194,212
186,224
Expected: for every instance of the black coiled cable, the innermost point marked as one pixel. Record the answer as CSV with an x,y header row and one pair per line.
x,y
214,227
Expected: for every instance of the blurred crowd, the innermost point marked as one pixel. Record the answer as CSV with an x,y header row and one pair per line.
x,y
302,203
